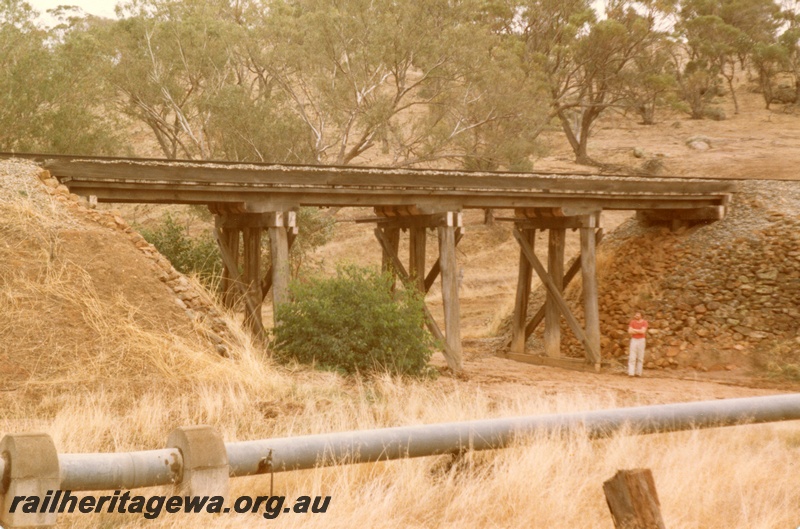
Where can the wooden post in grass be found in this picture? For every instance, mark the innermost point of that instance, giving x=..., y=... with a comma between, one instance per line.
x=450, y=305
x=633, y=501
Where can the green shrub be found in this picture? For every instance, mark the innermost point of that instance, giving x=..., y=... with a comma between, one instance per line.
x=187, y=254
x=353, y=323
x=315, y=229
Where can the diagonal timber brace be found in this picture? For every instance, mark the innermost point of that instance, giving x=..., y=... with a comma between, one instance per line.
x=592, y=354
x=252, y=310
x=568, y=277
x=386, y=244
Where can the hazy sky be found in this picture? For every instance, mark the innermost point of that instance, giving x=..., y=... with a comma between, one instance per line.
x=103, y=8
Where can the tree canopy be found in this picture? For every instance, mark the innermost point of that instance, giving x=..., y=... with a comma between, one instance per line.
x=466, y=83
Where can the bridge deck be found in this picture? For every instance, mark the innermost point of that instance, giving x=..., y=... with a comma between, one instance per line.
x=239, y=193
x=275, y=186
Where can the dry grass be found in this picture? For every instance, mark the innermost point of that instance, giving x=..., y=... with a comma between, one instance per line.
x=729, y=478
x=130, y=379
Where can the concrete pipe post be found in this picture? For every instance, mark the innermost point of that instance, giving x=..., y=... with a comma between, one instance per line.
x=30, y=469
x=205, y=461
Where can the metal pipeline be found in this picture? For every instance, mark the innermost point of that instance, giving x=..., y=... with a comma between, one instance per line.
x=296, y=453
x=162, y=467
x=126, y=470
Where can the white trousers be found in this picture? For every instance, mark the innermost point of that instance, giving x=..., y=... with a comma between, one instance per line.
x=636, y=357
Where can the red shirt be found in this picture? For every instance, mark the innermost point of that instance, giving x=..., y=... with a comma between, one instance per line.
x=638, y=325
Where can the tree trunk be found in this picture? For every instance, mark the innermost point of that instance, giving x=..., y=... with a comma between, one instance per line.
x=733, y=94
x=766, y=91
x=796, y=89
x=568, y=132
x=648, y=112
x=580, y=143
x=582, y=157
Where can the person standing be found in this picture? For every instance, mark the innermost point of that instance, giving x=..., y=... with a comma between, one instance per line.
x=637, y=329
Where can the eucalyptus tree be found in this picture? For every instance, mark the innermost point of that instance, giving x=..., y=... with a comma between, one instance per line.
x=585, y=60
x=756, y=19
x=380, y=81
x=166, y=60
x=50, y=100
x=23, y=50
x=720, y=44
x=770, y=59
x=650, y=81
x=720, y=37
x=785, y=50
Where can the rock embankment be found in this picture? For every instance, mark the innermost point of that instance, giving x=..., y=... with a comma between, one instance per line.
x=194, y=302
x=718, y=296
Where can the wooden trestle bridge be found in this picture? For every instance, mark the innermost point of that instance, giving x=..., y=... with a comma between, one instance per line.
x=247, y=199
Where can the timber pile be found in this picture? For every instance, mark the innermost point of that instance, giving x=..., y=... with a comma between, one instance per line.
x=718, y=296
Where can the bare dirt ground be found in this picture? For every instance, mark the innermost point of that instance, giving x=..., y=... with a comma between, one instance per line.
x=755, y=144
x=503, y=377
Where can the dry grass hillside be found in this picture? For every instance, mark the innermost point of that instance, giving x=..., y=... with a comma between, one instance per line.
x=104, y=347
x=86, y=301
x=754, y=144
